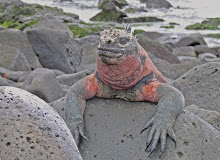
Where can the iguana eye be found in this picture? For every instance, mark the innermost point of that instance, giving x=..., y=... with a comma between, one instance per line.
x=123, y=40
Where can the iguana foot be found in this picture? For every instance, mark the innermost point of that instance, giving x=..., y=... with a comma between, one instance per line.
x=160, y=127
x=77, y=130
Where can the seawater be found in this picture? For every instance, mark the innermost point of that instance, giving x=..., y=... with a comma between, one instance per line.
x=184, y=12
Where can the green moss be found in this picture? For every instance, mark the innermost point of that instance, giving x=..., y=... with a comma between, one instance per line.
x=84, y=23
x=167, y=27
x=217, y=35
x=173, y=23
x=138, y=31
x=210, y=24
x=17, y=25
x=201, y=26
x=79, y=32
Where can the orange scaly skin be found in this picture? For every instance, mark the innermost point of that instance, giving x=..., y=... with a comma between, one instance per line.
x=125, y=71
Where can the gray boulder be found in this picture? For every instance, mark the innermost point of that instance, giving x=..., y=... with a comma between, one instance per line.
x=184, y=51
x=157, y=4
x=187, y=64
x=55, y=47
x=19, y=40
x=4, y=82
x=31, y=129
x=142, y=19
x=212, y=117
x=113, y=131
x=109, y=12
x=207, y=56
x=199, y=49
x=119, y=3
x=89, y=52
x=70, y=79
x=156, y=48
x=13, y=59
x=167, y=69
x=43, y=83
x=200, y=86
x=190, y=40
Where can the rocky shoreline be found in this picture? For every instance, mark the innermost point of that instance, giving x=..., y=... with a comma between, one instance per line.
x=45, y=51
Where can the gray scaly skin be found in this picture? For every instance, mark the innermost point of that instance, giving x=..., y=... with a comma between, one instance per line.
x=125, y=71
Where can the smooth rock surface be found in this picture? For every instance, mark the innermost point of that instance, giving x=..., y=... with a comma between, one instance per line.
x=55, y=47
x=191, y=40
x=157, y=4
x=70, y=79
x=19, y=40
x=43, y=83
x=184, y=51
x=167, y=69
x=156, y=48
x=212, y=117
x=201, y=86
x=13, y=59
x=113, y=131
x=31, y=129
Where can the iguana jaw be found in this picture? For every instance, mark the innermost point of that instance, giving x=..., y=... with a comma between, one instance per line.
x=110, y=52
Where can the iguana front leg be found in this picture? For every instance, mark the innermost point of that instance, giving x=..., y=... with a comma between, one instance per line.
x=171, y=103
x=75, y=105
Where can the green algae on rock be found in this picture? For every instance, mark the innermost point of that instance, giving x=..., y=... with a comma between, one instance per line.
x=109, y=13
x=209, y=24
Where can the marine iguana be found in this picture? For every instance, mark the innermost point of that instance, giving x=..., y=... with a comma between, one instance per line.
x=125, y=71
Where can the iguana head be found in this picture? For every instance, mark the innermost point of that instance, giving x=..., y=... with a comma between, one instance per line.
x=116, y=44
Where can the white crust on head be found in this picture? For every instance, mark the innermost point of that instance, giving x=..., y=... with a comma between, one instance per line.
x=112, y=34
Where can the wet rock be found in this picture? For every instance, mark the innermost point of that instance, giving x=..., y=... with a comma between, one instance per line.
x=19, y=40
x=13, y=59
x=184, y=51
x=156, y=48
x=43, y=83
x=157, y=4
x=200, y=86
x=70, y=79
x=31, y=129
x=113, y=131
x=110, y=12
x=142, y=19
x=191, y=40
x=118, y=3
x=212, y=117
x=55, y=47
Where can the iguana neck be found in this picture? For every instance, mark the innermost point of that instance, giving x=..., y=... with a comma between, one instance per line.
x=123, y=75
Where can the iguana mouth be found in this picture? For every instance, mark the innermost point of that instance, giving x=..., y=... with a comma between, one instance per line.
x=110, y=52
